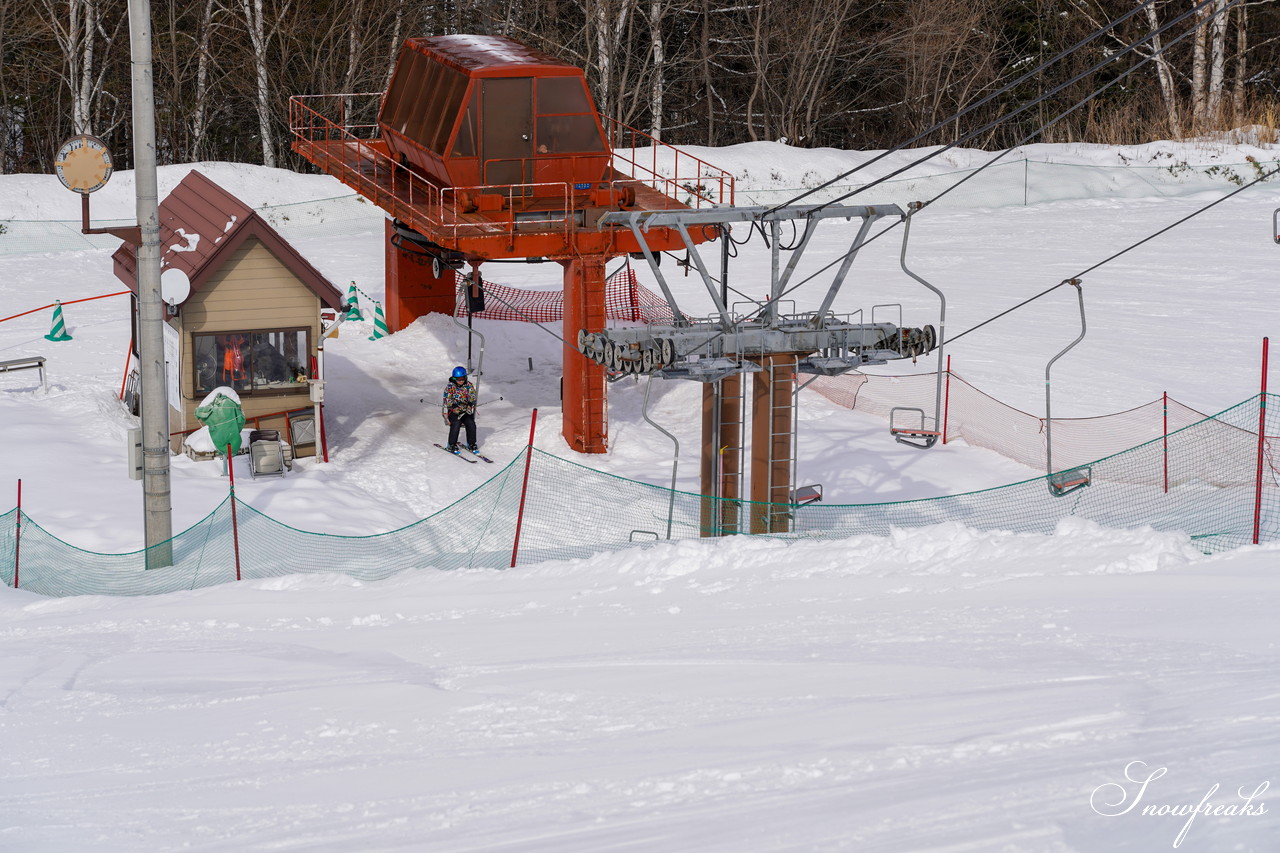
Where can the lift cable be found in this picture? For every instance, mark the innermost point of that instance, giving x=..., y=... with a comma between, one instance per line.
x=1264, y=176
x=1055, y=90
x=984, y=101
x=1095, y=93
x=1100, y=31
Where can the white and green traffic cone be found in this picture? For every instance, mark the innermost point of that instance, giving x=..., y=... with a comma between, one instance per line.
x=59, y=330
x=353, y=301
x=379, y=322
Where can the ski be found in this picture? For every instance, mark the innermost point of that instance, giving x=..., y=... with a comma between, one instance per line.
x=457, y=453
x=481, y=455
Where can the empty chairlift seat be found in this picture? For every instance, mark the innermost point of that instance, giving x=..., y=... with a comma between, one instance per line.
x=266, y=453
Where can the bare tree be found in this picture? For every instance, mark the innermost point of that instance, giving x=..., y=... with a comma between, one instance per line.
x=260, y=38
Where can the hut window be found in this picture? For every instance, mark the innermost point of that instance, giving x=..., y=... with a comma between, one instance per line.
x=566, y=122
x=252, y=362
x=465, y=144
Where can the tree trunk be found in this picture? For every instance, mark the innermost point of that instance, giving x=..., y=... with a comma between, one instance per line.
x=1242, y=51
x=1199, y=71
x=1168, y=89
x=253, y=19
x=204, y=60
x=1217, y=61
x=658, y=83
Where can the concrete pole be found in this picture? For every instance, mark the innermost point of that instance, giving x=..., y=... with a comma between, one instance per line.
x=157, y=513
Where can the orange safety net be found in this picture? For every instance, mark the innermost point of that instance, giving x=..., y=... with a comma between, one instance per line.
x=625, y=299
x=980, y=420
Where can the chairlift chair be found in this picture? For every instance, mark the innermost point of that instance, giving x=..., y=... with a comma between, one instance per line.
x=805, y=495
x=266, y=453
x=915, y=436
x=1065, y=482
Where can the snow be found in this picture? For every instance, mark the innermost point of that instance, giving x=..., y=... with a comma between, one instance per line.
x=938, y=689
x=220, y=391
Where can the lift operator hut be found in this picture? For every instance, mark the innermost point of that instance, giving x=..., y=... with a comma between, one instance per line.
x=251, y=319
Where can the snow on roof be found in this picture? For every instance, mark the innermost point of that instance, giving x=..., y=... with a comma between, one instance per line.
x=198, y=208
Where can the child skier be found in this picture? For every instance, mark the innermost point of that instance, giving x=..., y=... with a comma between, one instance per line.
x=460, y=409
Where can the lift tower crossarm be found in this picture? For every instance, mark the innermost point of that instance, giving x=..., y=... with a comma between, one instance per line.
x=755, y=213
x=633, y=222
x=820, y=315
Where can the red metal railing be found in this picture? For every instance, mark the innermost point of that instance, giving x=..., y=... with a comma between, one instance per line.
x=354, y=154
x=362, y=164
x=669, y=170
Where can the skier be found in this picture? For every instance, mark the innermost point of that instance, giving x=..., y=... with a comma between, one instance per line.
x=460, y=409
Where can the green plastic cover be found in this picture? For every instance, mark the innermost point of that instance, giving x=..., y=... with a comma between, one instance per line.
x=225, y=419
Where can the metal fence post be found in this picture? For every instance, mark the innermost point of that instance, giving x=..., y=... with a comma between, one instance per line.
x=235, y=528
x=1166, y=442
x=515, y=545
x=1262, y=434
x=17, y=535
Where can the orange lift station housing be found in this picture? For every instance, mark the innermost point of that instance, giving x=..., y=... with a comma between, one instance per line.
x=484, y=148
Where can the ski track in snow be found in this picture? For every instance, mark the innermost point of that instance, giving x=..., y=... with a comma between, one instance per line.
x=935, y=690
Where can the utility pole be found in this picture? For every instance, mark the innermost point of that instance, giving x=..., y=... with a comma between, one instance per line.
x=157, y=509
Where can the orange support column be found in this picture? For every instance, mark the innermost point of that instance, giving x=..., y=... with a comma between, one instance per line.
x=583, y=394
x=412, y=288
x=772, y=443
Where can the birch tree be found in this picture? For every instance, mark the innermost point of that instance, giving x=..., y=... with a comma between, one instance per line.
x=259, y=38
x=85, y=43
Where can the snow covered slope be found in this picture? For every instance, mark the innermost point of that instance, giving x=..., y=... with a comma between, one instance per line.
x=937, y=690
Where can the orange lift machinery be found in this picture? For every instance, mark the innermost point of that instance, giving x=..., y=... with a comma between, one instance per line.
x=484, y=149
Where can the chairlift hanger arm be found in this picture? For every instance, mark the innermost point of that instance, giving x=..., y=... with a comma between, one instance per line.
x=1048, y=413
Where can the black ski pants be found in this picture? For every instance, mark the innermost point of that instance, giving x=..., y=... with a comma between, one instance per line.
x=456, y=423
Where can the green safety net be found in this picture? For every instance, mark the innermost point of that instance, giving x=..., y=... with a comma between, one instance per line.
x=572, y=511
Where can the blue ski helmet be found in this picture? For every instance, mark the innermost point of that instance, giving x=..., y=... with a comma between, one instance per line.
x=459, y=373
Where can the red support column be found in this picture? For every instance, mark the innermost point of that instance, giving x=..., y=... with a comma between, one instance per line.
x=584, y=398
x=413, y=290
x=1262, y=435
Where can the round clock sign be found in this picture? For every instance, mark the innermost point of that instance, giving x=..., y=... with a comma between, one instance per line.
x=83, y=164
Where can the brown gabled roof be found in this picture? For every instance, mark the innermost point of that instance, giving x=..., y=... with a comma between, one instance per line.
x=201, y=225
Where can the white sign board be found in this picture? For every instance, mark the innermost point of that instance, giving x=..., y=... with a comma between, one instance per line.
x=172, y=365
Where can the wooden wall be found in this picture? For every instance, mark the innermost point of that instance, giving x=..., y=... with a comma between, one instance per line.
x=253, y=291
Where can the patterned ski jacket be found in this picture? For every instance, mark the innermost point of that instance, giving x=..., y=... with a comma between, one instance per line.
x=459, y=398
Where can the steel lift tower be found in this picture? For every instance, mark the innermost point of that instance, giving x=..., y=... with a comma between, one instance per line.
x=483, y=149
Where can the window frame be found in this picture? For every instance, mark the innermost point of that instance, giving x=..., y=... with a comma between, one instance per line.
x=280, y=391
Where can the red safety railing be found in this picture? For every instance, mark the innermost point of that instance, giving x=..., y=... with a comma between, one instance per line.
x=669, y=170
x=354, y=154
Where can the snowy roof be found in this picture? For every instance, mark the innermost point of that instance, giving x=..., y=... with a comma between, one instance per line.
x=492, y=56
x=201, y=225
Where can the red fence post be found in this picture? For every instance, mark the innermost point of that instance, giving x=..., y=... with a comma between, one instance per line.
x=946, y=405
x=1166, y=442
x=524, y=489
x=1262, y=433
x=17, y=536
x=128, y=357
x=235, y=528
